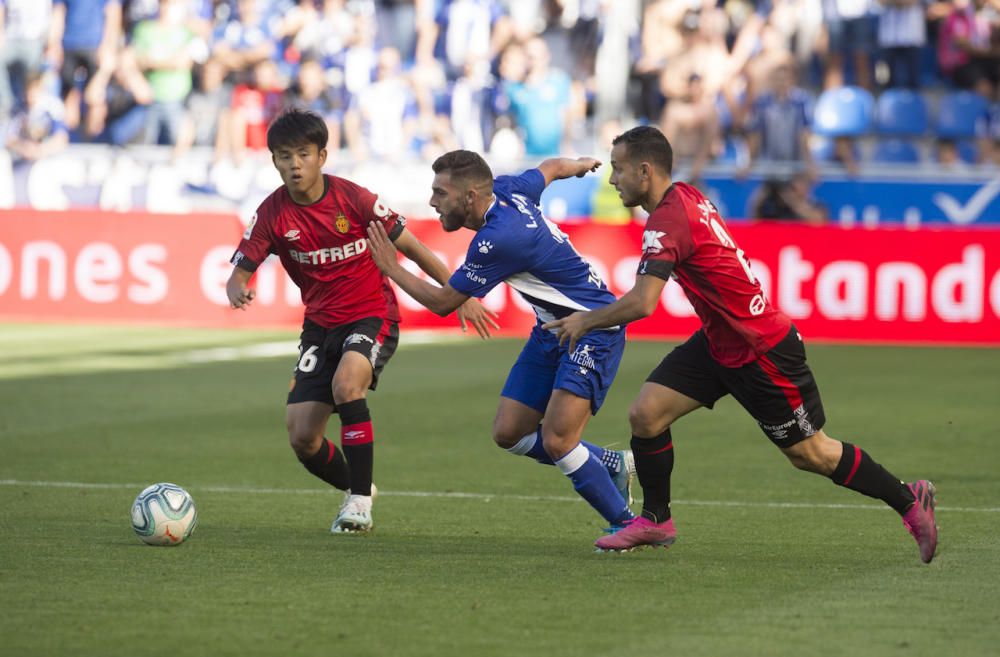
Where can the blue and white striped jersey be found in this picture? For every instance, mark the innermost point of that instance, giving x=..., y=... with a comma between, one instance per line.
x=520, y=247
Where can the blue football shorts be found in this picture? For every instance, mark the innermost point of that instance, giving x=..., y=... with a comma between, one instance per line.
x=544, y=366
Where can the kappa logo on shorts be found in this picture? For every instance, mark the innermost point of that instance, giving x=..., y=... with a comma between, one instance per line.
x=805, y=426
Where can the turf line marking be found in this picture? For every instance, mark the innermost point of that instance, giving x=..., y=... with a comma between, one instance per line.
x=471, y=496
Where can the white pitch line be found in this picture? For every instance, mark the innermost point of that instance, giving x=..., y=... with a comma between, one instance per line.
x=473, y=496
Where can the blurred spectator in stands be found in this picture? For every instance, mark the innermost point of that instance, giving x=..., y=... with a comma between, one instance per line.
x=255, y=103
x=163, y=50
x=24, y=28
x=778, y=126
x=472, y=116
x=360, y=59
x=703, y=52
x=321, y=33
x=396, y=22
x=433, y=97
x=788, y=200
x=198, y=15
x=619, y=29
x=770, y=54
x=37, y=129
x=989, y=138
x=542, y=102
x=691, y=125
x=850, y=35
x=117, y=99
x=382, y=119
x=464, y=29
x=965, y=49
x=244, y=40
x=83, y=39
x=846, y=154
x=947, y=155
x=208, y=114
x=902, y=34
x=312, y=92
x=660, y=42
x=506, y=146
x=605, y=203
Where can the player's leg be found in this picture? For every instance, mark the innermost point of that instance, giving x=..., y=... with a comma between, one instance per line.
x=367, y=346
x=781, y=393
x=681, y=383
x=524, y=398
x=565, y=418
x=310, y=403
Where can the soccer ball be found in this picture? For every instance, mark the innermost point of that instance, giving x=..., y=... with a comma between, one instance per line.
x=164, y=514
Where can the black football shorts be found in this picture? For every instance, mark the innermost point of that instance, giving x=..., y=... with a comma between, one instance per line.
x=320, y=351
x=777, y=389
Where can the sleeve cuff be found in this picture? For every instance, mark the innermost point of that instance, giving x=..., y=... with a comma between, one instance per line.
x=659, y=268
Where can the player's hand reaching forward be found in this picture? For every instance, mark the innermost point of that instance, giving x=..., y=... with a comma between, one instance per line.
x=381, y=247
x=572, y=328
x=590, y=165
x=475, y=313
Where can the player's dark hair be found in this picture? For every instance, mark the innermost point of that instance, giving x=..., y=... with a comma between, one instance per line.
x=466, y=166
x=297, y=127
x=645, y=143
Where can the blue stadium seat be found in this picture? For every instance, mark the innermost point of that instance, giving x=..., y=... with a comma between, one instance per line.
x=735, y=151
x=961, y=115
x=968, y=151
x=843, y=112
x=901, y=112
x=896, y=151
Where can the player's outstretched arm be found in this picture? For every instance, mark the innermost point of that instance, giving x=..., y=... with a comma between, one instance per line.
x=557, y=168
x=439, y=300
x=637, y=303
x=472, y=311
x=240, y=296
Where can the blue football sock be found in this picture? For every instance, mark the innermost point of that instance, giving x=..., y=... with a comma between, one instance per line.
x=531, y=446
x=591, y=480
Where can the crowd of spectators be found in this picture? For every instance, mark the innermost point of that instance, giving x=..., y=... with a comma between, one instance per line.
x=407, y=79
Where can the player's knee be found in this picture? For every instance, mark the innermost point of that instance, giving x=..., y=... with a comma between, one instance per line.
x=304, y=443
x=505, y=437
x=646, y=420
x=347, y=391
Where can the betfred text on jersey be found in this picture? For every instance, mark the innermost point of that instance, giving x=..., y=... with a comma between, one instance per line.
x=332, y=254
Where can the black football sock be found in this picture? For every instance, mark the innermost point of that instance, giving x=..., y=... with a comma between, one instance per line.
x=857, y=471
x=329, y=465
x=654, y=462
x=357, y=440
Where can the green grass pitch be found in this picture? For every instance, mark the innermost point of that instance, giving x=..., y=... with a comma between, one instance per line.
x=476, y=552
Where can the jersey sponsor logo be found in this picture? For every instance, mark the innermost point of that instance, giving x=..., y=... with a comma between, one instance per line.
x=476, y=278
x=292, y=235
x=582, y=356
x=249, y=230
x=777, y=431
x=332, y=254
x=484, y=246
x=342, y=224
x=651, y=241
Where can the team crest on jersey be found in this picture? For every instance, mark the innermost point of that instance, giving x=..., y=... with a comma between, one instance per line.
x=342, y=224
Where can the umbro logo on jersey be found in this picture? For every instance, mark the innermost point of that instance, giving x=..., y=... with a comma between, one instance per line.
x=292, y=235
x=484, y=246
x=651, y=241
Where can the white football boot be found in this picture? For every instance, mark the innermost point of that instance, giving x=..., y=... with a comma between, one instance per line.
x=355, y=514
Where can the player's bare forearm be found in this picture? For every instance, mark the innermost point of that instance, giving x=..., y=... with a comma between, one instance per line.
x=240, y=296
x=557, y=168
x=418, y=252
x=637, y=303
x=439, y=300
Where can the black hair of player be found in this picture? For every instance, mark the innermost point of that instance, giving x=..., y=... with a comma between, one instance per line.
x=297, y=127
x=465, y=166
x=645, y=143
